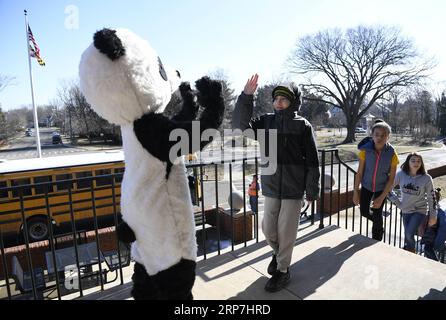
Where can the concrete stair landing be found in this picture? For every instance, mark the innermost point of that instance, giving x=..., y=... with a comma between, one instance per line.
x=331, y=263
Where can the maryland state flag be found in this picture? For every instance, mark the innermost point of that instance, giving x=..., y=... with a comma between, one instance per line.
x=34, y=50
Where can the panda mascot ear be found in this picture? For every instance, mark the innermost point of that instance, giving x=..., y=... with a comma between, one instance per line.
x=108, y=43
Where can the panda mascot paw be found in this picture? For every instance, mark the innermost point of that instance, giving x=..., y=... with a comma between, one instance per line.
x=125, y=233
x=190, y=107
x=125, y=82
x=188, y=95
x=207, y=89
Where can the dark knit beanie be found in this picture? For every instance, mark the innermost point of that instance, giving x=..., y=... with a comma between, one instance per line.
x=284, y=92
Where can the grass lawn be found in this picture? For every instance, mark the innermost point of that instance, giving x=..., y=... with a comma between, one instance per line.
x=440, y=182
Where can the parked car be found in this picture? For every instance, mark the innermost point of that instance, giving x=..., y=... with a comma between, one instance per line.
x=57, y=138
x=28, y=132
x=360, y=130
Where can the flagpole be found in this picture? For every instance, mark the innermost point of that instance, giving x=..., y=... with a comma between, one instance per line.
x=36, y=122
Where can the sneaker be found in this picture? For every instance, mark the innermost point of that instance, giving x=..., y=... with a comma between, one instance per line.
x=272, y=267
x=278, y=281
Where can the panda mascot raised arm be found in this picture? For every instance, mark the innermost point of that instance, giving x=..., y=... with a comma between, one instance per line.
x=126, y=83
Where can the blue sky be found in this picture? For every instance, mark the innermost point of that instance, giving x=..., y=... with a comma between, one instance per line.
x=196, y=37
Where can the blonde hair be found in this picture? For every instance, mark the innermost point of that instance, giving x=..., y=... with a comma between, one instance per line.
x=382, y=125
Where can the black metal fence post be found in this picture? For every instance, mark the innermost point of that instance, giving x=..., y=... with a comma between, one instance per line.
x=244, y=201
x=231, y=206
x=115, y=218
x=74, y=232
x=217, y=211
x=5, y=265
x=256, y=216
x=51, y=238
x=96, y=232
x=203, y=216
x=28, y=252
x=322, y=201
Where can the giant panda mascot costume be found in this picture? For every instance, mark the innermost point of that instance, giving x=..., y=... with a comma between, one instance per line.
x=126, y=83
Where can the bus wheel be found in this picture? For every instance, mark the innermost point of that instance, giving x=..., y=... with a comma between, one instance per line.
x=37, y=229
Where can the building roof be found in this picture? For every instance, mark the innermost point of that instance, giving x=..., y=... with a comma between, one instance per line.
x=10, y=166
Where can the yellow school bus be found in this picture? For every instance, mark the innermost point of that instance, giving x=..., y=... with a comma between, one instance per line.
x=193, y=176
x=58, y=188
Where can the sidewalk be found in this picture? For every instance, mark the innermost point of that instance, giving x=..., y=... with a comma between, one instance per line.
x=327, y=264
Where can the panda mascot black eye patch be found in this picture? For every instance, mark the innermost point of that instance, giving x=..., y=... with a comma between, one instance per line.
x=116, y=78
x=162, y=71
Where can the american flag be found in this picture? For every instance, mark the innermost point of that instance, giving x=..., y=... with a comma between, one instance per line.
x=34, y=50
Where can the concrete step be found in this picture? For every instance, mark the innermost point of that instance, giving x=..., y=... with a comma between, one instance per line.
x=331, y=263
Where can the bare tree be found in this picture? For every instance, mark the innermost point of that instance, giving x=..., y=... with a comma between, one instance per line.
x=80, y=118
x=3, y=127
x=83, y=110
x=264, y=100
x=57, y=114
x=394, y=105
x=410, y=116
x=313, y=109
x=357, y=67
x=77, y=109
x=16, y=120
x=5, y=81
x=228, y=96
x=69, y=106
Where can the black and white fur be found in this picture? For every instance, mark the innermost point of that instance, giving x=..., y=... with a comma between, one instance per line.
x=125, y=82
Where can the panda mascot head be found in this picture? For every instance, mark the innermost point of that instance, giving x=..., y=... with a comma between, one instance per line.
x=123, y=78
x=126, y=82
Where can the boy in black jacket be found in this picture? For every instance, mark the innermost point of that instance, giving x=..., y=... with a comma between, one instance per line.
x=297, y=172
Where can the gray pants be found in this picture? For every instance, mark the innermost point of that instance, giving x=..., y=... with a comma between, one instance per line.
x=279, y=225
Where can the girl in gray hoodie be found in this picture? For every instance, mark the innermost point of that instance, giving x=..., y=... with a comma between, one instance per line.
x=417, y=197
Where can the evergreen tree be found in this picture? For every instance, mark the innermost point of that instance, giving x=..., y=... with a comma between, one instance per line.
x=3, y=126
x=263, y=100
x=313, y=109
x=426, y=106
x=228, y=95
x=441, y=121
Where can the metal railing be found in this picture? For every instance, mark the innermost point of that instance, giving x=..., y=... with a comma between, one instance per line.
x=334, y=207
x=341, y=204
x=31, y=251
x=212, y=218
x=216, y=204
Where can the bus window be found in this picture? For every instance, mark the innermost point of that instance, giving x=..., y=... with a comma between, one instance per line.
x=3, y=193
x=103, y=180
x=41, y=189
x=63, y=185
x=119, y=172
x=26, y=191
x=85, y=183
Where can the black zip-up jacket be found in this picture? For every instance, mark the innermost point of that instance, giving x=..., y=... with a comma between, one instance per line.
x=297, y=158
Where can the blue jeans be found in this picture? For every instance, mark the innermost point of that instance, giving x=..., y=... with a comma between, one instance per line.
x=411, y=222
x=253, y=203
x=432, y=250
